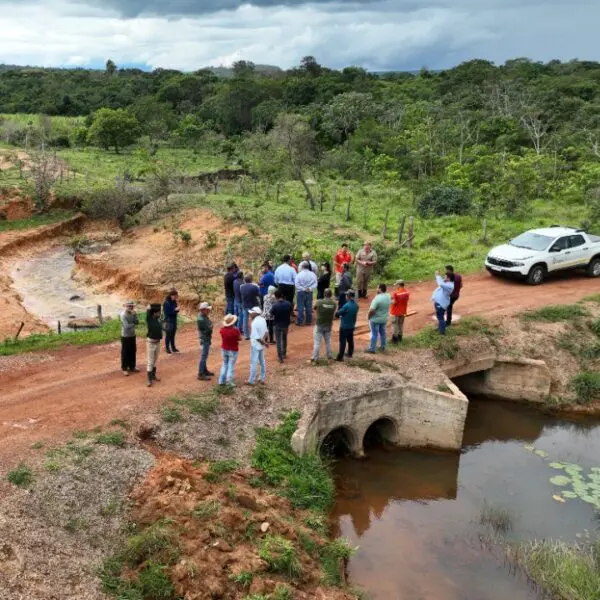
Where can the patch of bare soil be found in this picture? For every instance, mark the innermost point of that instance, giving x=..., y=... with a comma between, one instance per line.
x=14, y=205
x=55, y=533
x=230, y=536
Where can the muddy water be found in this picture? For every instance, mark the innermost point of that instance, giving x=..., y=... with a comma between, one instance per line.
x=45, y=284
x=416, y=515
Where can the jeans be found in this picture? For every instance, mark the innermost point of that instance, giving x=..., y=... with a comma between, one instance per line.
x=449, y=311
x=239, y=313
x=270, y=329
x=170, y=336
x=247, y=323
x=228, y=366
x=341, y=299
x=202, y=370
x=322, y=331
x=256, y=357
x=346, y=337
x=128, y=353
x=229, y=306
x=377, y=329
x=304, y=301
x=440, y=313
x=281, y=334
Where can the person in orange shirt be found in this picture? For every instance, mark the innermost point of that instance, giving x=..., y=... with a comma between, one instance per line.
x=342, y=257
x=398, y=310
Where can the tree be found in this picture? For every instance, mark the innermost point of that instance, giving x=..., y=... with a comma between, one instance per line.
x=111, y=67
x=155, y=118
x=310, y=66
x=345, y=112
x=114, y=128
x=43, y=174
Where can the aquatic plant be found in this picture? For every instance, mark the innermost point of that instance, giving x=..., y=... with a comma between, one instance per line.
x=577, y=483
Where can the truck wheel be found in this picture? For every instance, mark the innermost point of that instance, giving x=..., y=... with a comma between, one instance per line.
x=593, y=268
x=536, y=275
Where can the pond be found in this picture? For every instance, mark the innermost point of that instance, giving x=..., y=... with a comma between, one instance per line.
x=415, y=516
x=45, y=284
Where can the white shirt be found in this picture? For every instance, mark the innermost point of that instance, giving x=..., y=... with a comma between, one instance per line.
x=306, y=280
x=258, y=331
x=285, y=274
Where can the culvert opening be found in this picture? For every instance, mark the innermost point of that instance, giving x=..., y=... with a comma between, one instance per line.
x=382, y=432
x=337, y=443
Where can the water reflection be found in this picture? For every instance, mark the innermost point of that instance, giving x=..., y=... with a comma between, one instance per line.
x=415, y=515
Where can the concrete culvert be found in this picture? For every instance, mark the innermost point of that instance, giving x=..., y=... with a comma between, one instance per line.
x=381, y=432
x=339, y=442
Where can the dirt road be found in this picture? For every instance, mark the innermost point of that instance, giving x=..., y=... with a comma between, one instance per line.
x=81, y=387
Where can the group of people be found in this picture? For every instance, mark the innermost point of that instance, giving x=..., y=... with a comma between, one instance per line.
x=263, y=312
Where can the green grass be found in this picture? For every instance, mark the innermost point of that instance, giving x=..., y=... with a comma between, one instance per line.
x=305, y=480
x=561, y=571
x=556, y=313
x=243, y=579
x=203, y=404
x=49, y=218
x=206, y=509
x=111, y=438
x=497, y=518
x=171, y=414
x=281, y=555
x=221, y=467
x=156, y=542
x=586, y=386
x=21, y=476
x=332, y=557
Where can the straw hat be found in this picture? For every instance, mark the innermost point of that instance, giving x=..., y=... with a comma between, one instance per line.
x=229, y=320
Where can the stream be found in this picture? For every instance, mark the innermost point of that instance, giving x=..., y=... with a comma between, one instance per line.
x=415, y=516
x=44, y=283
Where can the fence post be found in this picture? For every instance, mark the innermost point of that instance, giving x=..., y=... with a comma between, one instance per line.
x=411, y=232
x=348, y=208
x=484, y=236
x=401, y=230
x=385, y=224
x=59, y=328
x=99, y=311
x=365, y=206
x=334, y=200
x=321, y=199
x=19, y=332
x=277, y=192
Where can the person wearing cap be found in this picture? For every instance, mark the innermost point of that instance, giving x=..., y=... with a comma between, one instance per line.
x=347, y=314
x=398, y=310
x=366, y=259
x=306, y=284
x=258, y=343
x=170, y=310
x=230, y=347
x=153, y=338
x=129, y=320
x=205, y=331
x=268, y=302
x=378, y=316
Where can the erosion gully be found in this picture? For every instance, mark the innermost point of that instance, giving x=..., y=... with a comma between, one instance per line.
x=415, y=516
x=46, y=287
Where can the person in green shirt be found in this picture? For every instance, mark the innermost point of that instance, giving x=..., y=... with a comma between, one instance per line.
x=325, y=308
x=378, y=316
x=205, y=331
x=347, y=314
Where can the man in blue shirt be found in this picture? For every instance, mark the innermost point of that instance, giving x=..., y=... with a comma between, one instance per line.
x=347, y=314
x=285, y=279
x=441, y=298
x=249, y=293
x=266, y=279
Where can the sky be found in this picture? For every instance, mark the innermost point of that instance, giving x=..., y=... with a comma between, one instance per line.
x=375, y=34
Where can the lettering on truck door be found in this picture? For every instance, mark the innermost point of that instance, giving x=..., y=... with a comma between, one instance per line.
x=579, y=250
x=559, y=251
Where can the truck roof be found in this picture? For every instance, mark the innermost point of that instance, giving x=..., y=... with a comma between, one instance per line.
x=556, y=231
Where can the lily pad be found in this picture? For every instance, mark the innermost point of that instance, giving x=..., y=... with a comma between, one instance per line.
x=556, y=465
x=569, y=494
x=541, y=453
x=529, y=447
x=560, y=480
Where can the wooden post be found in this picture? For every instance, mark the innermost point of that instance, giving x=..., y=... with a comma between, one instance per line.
x=401, y=230
x=277, y=192
x=334, y=200
x=99, y=311
x=385, y=224
x=216, y=184
x=321, y=199
x=365, y=205
x=411, y=232
x=348, y=208
x=19, y=332
x=484, y=235
x=59, y=328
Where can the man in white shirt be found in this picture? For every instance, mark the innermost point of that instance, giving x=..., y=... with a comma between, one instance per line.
x=313, y=265
x=306, y=283
x=285, y=279
x=258, y=342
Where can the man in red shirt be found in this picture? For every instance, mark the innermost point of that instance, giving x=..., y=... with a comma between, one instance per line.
x=398, y=310
x=342, y=257
x=458, y=283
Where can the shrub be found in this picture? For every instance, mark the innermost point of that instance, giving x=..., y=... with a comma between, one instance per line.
x=155, y=584
x=280, y=555
x=111, y=438
x=21, y=476
x=171, y=414
x=114, y=202
x=444, y=200
x=156, y=542
x=587, y=386
x=595, y=326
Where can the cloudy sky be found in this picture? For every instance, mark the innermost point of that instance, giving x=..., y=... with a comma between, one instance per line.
x=375, y=34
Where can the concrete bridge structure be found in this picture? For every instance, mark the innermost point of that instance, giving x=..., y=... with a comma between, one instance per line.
x=410, y=415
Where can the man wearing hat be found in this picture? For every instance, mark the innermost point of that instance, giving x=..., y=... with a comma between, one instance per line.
x=205, y=331
x=398, y=310
x=129, y=320
x=230, y=347
x=153, y=338
x=258, y=343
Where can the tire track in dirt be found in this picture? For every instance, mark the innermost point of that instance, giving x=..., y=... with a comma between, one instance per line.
x=81, y=387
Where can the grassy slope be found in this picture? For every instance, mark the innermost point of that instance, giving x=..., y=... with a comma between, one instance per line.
x=36, y=221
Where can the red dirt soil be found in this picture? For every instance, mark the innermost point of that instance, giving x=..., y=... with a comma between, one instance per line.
x=82, y=387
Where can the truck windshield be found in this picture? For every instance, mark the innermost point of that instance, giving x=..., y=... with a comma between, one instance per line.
x=531, y=241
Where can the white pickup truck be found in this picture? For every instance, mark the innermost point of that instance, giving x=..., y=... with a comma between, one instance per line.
x=535, y=253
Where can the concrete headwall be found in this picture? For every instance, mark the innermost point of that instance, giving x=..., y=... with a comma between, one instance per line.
x=419, y=418
x=510, y=379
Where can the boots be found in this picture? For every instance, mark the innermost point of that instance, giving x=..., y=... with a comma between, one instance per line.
x=396, y=339
x=149, y=384
x=154, y=375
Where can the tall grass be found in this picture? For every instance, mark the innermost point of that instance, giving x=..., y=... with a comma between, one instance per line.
x=556, y=313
